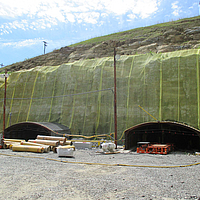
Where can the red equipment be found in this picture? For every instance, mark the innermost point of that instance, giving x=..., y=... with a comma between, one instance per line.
x=146, y=147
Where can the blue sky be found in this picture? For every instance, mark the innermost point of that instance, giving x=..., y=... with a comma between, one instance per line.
x=25, y=24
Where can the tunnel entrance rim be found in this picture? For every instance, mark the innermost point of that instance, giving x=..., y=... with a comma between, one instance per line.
x=148, y=131
x=30, y=130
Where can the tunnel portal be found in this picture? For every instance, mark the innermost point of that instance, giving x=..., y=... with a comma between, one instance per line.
x=30, y=130
x=183, y=137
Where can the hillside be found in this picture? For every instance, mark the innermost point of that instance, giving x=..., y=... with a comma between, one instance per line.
x=165, y=37
x=79, y=95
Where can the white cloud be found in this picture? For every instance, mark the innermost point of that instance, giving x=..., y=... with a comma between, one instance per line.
x=131, y=16
x=143, y=8
x=24, y=43
x=92, y=17
x=47, y=13
x=104, y=15
x=176, y=8
x=70, y=17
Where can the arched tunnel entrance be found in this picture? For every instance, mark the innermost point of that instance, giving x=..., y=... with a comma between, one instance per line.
x=30, y=130
x=182, y=136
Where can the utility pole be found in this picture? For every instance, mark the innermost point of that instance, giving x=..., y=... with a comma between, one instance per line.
x=4, y=105
x=45, y=44
x=115, y=98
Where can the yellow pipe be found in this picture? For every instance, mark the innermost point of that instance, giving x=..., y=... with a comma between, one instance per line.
x=88, y=137
x=53, y=95
x=8, y=121
x=8, y=145
x=44, y=137
x=128, y=92
x=86, y=140
x=147, y=113
x=36, y=149
x=13, y=140
x=47, y=142
x=46, y=147
x=104, y=164
x=93, y=136
x=32, y=96
x=93, y=141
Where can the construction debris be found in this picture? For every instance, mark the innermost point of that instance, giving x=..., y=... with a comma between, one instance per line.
x=95, y=143
x=108, y=147
x=83, y=145
x=59, y=145
x=66, y=151
x=44, y=144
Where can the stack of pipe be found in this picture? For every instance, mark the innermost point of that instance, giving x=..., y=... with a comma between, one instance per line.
x=22, y=145
x=47, y=148
x=62, y=140
x=52, y=143
x=41, y=144
x=51, y=139
x=8, y=143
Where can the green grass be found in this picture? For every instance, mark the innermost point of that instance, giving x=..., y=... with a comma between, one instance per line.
x=138, y=32
x=141, y=33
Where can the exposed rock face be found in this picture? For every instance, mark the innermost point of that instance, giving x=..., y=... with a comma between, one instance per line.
x=183, y=34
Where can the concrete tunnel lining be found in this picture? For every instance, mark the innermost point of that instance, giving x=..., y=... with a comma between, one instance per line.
x=184, y=137
x=30, y=130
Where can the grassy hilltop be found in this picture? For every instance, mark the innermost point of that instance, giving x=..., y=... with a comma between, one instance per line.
x=159, y=38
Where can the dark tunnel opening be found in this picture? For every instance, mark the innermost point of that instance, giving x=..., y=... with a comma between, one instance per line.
x=30, y=130
x=182, y=136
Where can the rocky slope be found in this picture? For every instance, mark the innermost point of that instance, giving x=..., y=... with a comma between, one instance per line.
x=166, y=37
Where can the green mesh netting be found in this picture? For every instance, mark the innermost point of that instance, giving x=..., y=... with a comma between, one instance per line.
x=78, y=94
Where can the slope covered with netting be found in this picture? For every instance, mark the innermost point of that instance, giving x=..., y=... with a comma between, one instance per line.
x=80, y=94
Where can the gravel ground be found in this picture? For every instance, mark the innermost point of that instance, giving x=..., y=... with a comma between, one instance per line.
x=33, y=176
